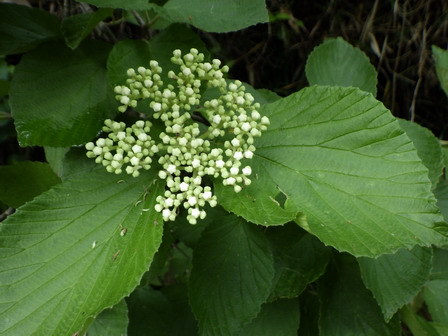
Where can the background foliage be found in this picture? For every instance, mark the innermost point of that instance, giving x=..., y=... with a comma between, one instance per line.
x=342, y=231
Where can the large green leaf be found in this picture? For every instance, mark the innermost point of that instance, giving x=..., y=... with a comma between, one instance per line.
x=217, y=16
x=111, y=322
x=161, y=313
x=75, y=250
x=77, y=27
x=22, y=181
x=428, y=148
x=395, y=279
x=336, y=62
x=59, y=97
x=441, y=60
x=281, y=317
x=299, y=259
x=23, y=28
x=347, y=307
x=342, y=159
x=231, y=277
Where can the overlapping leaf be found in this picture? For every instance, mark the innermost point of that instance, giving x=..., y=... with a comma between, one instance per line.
x=22, y=28
x=231, y=277
x=60, y=97
x=75, y=250
x=428, y=148
x=395, y=279
x=336, y=62
x=22, y=181
x=341, y=158
x=441, y=60
x=281, y=317
x=347, y=307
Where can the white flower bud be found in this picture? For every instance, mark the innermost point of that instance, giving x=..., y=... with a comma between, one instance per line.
x=219, y=163
x=248, y=154
x=183, y=186
x=235, y=142
x=238, y=155
x=195, y=212
x=207, y=195
x=166, y=213
x=171, y=169
x=162, y=174
x=124, y=100
x=265, y=120
x=169, y=202
x=247, y=170
x=216, y=119
x=97, y=151
x=240, y=100
x=135, y=161
x=246, y=127
x=234, y=170
x=192, y=200
x=136, y=149
x=157, y=107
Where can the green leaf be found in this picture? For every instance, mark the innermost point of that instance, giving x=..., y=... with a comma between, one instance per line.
x=395, y=279
x=55, y=157
x=231, y=277
x=124, y=55
x=59, y=97
x=77, y=27
x=22, y=181
x=111, y=322
x=23, y=28
x=440, y=260
x=347, y=307
x=336, y=62
x=418, y=325
x=441, y=60
x=281, y=317
x=176, y=36
x=436, y=298
x=161, y=313
x=4, y=87
x=299, y=259
x=441, y=193
x=134, y=53
x=341, y=158
x=66, y=161
x=65, y=256
x=228, y=15
x=428, y=148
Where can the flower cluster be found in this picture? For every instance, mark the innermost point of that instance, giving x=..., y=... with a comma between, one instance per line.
x=188, y=151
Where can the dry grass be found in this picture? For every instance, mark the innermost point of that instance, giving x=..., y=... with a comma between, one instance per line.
x=396, y=35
